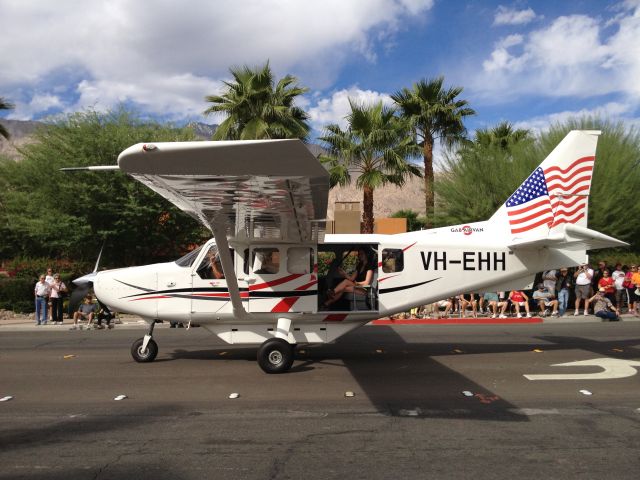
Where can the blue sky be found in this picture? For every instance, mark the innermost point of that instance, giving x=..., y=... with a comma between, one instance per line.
x=531, y=63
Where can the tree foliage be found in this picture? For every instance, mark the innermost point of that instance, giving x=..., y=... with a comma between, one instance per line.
x=375, y=147
x=436, y=114
x=5, y=105
x=479, y=177
x=414, y=221
x=259, y=108
x=48, y=213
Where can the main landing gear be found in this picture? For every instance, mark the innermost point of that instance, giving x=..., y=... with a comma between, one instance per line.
x=145, y=349
x=275, y=355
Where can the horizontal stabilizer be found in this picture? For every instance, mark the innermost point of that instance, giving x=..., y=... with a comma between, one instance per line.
x=570, y=237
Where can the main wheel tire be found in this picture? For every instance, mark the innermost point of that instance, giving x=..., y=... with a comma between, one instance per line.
x=149, y=355
x=275, y=355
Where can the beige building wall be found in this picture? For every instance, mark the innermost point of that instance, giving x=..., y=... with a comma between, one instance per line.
x=346, y=217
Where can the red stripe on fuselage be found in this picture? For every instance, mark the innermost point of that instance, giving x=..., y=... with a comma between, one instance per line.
x=273, y=283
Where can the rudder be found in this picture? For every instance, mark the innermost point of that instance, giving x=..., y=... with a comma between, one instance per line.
x=556, y=193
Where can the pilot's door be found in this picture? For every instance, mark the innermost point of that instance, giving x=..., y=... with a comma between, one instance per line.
x=209, y=291
x=282, y=279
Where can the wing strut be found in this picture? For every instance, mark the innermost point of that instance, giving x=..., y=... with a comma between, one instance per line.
x=220, y=234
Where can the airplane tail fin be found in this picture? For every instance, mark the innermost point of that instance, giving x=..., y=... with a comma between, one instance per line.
x=551, y=205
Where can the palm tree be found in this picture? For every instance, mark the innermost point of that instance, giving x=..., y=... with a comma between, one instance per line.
x=374, y=147
x=435, y=114
x=502, y=135
x=5, y=105
x=256, y=109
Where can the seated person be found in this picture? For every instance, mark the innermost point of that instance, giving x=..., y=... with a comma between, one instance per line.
x=268, y=266
x=519, y=299
x=494, y=303
x=545, y=299
x=104, y=314
x=361, y=277
x=211, y=266
x=86, y=311
x=434, y=308
x=467, y=299
x=603, y=307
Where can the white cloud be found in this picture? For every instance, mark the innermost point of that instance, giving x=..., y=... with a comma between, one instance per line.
x=571, y=56
x=167, y=53
x=509, y=16
x=39, y=103
x=609, y=111
x=336, y=108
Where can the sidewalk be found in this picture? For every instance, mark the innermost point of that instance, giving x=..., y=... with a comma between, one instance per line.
x=20, y=322
x=16, y=322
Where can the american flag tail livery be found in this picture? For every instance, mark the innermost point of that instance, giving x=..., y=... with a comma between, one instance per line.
x=556, y=193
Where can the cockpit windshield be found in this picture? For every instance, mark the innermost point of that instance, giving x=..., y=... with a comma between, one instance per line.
x=189, y=258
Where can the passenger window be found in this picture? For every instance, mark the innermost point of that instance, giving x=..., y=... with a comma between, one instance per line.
x=266, y=261
x=300, y=260
x=392, y=260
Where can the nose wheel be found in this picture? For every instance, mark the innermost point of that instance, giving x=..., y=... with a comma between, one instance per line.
x=141, y=354
x=145, y=349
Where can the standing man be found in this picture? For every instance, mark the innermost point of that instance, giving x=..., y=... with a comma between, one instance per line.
x=41, y=292
x=583, y=276
x=564, y=283
x=597, y=275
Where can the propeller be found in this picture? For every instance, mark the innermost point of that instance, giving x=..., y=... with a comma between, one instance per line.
x=83, y=285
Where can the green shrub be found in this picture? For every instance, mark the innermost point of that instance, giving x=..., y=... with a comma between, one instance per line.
x=16, y=294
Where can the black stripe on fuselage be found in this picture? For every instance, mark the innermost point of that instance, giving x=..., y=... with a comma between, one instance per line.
x=382, y=291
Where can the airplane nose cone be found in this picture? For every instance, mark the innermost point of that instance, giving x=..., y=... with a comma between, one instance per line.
x=128, y=290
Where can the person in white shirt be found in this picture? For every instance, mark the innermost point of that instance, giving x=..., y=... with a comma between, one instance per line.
x=56, y=297
x=583, y=276
x=618, y=280
x=41, y=292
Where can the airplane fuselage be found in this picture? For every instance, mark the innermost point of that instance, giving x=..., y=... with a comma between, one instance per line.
x=427, y=266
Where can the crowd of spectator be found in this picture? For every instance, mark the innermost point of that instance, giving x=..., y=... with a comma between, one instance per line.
x=50, y=292
x=604, y=291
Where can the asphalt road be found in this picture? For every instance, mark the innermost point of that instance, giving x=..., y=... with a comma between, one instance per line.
x=409, y=417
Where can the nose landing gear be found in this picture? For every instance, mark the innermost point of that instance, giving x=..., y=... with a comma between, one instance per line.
x=145, y=349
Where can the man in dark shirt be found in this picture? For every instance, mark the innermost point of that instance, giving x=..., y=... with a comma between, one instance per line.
x=563, y=287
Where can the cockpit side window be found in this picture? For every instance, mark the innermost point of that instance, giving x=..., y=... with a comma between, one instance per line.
x=211, y=265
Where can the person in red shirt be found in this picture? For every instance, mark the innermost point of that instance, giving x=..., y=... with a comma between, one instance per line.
x=609, y=286
x=519, y=299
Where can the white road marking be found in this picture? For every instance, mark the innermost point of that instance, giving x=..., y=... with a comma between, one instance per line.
x=611, y=368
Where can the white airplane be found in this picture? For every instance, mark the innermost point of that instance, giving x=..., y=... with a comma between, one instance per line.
x=271, y=277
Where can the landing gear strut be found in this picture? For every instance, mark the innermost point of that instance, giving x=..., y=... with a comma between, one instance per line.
x=145, y=349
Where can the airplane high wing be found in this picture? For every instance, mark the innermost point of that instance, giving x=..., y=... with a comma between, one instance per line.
x=267, y=189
